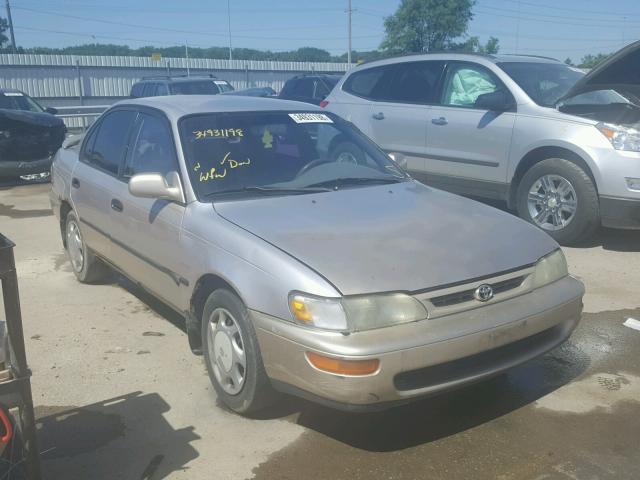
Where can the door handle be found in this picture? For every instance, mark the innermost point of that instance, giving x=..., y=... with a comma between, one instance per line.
x=378, y=116
x=75, y=183
x=439, y=121
x=116, y=205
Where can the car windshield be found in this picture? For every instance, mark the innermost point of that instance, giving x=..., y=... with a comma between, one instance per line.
x=19, y=101
x=202, y=87
x=545, y=83
x=258, y=153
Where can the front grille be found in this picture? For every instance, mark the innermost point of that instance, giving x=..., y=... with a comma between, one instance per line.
x=467, y=295
x=479, y=363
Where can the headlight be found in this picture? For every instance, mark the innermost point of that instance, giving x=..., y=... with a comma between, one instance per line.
x=550, y=268
x=356, y=313
x=621, y=138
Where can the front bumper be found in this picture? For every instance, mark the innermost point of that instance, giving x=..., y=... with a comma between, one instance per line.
x=16, y=169
x=421, y=358
x=620, y=212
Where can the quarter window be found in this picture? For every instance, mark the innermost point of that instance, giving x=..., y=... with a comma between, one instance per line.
x=465, y=83
x=369, y=83
x=152, y=148
x=110, y=143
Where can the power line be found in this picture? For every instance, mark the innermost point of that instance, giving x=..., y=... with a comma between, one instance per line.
x=604, y=22
x=572, y=10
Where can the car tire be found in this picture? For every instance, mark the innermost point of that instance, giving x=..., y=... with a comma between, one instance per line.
x=557, y=186
x=232, y=355
x=85, y=265
x=348, y=152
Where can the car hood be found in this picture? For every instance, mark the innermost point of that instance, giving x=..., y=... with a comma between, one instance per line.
x=400, y=237
x=30, y=118
x=620, y=72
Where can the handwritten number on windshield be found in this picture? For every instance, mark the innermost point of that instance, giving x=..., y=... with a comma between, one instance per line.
x=219, y=133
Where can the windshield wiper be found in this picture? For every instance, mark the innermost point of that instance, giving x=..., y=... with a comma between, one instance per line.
x=346, y=181
x=269, y=190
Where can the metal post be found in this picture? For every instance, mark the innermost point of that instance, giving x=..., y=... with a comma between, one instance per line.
x=229, y=24
x=349, y=51
x=168, y=69
x=246, y=75
x=186, y=53
x=80, y=92
x=10, y=21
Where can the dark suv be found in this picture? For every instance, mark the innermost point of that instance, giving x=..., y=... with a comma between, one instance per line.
x=179, y=85
x=309, y=88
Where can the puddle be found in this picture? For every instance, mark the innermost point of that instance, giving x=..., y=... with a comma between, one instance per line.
x=599, y=391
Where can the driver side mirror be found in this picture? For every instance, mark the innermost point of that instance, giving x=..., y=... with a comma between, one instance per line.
x=156, y=185
x=51, y=110
x=498, y=101
x=399, y=158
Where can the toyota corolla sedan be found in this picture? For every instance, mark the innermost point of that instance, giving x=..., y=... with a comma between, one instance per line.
x=300, y=269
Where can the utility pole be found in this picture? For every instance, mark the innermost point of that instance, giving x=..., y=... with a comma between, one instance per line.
x=229, y=23
x=349, y=10
x=13, y=38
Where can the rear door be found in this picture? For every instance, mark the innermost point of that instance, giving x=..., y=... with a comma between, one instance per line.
x=401, y=106
x=95, y=177
x=146, y=231
x=463, y=141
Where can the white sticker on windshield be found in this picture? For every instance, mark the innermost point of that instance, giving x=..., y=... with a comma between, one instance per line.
x=13, y=94
x=310, y=118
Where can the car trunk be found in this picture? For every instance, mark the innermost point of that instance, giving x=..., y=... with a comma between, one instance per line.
x=27, y=136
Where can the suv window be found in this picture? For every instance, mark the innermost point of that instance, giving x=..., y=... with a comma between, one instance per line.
x=465, y=82
x=136, y=90
x=303, y=88
x=111, y=139
x=201, y=87
x=152, y=148
x=162, y=89
x=416, y=82
x=149, y=90
x=370, y=83
x=323, y=87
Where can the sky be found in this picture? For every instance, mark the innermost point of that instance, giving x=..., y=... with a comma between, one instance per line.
x=555, y=28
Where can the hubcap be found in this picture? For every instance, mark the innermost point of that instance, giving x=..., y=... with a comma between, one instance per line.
x=75, y=246
x=227, y=356
x=552, y=202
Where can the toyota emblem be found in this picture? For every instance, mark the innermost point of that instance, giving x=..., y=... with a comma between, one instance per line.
x=483, y=293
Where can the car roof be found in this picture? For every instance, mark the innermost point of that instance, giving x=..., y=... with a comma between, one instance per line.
x=470, y=56
x=307, y=75
x=177, y=106
x=180, y=79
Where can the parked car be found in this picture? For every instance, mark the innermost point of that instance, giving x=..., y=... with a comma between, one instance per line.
x=179, y=85
x=349, y=284
x=309, y=88
x=561, y=148
x=29, y=135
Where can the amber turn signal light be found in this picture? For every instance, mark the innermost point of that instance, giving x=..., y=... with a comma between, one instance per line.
x=343, y=367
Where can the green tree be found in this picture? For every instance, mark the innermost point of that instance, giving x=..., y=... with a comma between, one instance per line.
x=426, y=25
x=569, y=62
x=590, y=61
x=472, y=44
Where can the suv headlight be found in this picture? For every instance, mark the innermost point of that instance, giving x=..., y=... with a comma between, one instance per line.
x=550, y=268
x=356, y=313
x=622, y=138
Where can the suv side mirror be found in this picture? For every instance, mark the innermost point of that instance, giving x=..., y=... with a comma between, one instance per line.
x=51, y=110
x=155, y=185
x=498, y=101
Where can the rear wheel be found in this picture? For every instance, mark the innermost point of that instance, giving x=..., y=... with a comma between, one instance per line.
x=559, y=197
x=232, y=354
x=86, y=266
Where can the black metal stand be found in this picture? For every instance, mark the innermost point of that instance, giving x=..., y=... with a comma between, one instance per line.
x=16, y=392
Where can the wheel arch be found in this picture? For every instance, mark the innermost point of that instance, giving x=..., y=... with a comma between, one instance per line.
x=539, y=154
x=65, y=208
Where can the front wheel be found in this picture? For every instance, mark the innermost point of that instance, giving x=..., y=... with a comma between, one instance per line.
x=232, y=354
x=559, y=197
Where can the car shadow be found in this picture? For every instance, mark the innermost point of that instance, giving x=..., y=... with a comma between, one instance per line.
x=122, y=437
x=607, y=238
x=440, y=416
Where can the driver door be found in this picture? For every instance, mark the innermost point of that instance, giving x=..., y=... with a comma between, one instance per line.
x=464, y=141
x=147, y=235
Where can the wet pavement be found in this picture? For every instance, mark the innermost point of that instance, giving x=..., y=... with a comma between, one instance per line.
x=119, y=395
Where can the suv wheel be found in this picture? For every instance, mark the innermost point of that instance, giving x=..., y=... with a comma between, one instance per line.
x=559, y=197
x=232, y=354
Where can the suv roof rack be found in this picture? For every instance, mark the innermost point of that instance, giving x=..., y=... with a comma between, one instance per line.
x=169, y=77
x=435, y=52
x=526, y=55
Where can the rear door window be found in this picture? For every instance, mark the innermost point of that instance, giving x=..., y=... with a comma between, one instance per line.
x=137, y=89
x=416, y=82
x=110, y=143
x=303, y=88
x=162, y=89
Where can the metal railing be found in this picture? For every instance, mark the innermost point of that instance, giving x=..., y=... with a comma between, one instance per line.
x=80, y=117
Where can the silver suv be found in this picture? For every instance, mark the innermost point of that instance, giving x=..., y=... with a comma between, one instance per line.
x=560, y=147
